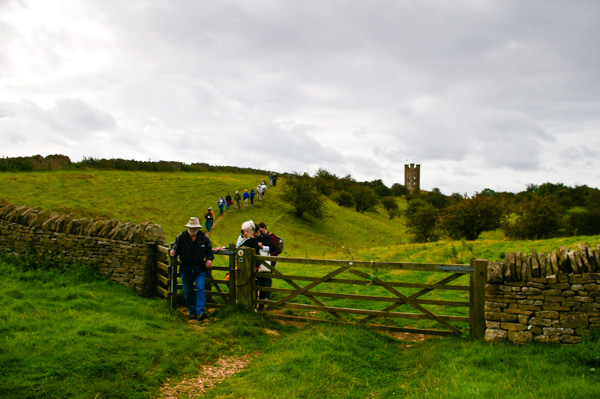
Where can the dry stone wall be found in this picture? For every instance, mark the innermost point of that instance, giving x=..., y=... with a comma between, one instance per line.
x=539, y=297
x=125, y=252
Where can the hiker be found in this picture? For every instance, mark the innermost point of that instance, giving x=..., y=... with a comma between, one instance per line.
x=221, y=204
x=259, y=191
x=246, y=195
x=209, y=218
x=274, y=179
x=252, y=194
x=228, y=202
x=196, y=255
x=263, y=189
x=262, y=227
x=267, y=246
x=237, y=199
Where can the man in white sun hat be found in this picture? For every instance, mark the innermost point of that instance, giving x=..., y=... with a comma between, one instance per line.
x=196, y=255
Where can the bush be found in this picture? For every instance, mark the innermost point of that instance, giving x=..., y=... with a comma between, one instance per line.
x=364, y=198
x=399, y=189
x=389, y=204
x=537, y=218
x=422, y=221
x=585, y=223
x=345, y=199
x=300, y=191
x=471, y=216
x=325, y=182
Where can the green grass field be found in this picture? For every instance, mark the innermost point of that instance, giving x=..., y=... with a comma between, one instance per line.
x=73, y=335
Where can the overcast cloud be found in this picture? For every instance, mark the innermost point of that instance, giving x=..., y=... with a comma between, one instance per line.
x=481, y=93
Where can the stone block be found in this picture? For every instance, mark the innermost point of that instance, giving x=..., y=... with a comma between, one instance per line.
x=592, y=287
x=520, y=337
x=537, y=321
x=499, y=316
x=495, y=336
x=547, y=314
x=570, y=339
x=554, y=292
x=535, y=330
x=547, y=339
x=513, y=326
x=558, y=331
x=574, y=319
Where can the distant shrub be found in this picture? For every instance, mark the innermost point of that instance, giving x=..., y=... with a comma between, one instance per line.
x=537, y=218
x=399, y=189
x=471, y=216
x=585, y=223
x=389, y=204
x=365, y=198
x=422, y=221
x=345, y=199
x=300, y=191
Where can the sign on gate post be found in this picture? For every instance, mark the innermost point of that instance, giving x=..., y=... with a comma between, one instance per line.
x=244, y=258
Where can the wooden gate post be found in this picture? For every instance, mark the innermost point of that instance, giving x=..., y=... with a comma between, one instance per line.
x=477, y=288
x=232, y=275
x=244, y=258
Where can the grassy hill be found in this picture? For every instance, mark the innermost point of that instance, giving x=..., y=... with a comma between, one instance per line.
x=71, y=335
x=170, y=198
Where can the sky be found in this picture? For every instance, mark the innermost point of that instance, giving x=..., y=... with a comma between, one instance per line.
x=496, y=94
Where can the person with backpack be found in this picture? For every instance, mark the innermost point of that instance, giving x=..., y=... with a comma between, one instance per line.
x=252, y=194
x=209, y=218
x=267, y=248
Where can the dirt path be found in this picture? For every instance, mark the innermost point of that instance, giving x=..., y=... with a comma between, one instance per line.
x=208, y=377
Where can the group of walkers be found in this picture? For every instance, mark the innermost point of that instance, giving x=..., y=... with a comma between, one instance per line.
x=195, y=252
x=225, y=204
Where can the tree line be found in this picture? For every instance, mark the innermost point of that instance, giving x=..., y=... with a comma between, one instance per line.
x=51, y=162
x=541, y=211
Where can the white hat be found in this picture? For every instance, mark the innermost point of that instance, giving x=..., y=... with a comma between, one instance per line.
x=193, y=223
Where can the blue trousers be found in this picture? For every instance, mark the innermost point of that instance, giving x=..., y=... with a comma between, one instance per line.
x=208, y=225
x=195, y=303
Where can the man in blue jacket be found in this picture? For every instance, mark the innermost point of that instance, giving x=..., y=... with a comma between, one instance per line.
x=196, y=255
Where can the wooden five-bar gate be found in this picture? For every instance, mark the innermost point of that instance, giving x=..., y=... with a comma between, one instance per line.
x=296, y=294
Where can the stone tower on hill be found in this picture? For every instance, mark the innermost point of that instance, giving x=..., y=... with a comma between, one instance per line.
x=412, y=177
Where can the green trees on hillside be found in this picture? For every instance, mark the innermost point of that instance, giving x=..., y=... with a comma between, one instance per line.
x=300, y=191
x=422, y=221
x=537, y=218
x=472, y=216
x=541, y=211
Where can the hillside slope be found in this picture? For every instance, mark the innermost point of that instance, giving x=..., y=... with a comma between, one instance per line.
x=170, y=198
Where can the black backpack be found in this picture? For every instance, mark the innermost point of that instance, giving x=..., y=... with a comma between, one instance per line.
x=278, y=243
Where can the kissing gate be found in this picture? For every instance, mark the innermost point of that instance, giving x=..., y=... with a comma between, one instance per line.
x=398, y=297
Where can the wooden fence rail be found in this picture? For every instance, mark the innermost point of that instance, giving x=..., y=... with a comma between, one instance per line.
x=293, y=291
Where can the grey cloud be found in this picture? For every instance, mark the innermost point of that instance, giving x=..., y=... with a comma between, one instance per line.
x=487, y=86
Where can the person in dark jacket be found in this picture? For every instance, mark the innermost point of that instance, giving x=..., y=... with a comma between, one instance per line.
x=196, y=255
x=228, y=202
x=267, y=246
